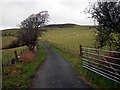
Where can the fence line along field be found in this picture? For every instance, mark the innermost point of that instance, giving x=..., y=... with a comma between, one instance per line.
x=70, y=36
x=9, y=53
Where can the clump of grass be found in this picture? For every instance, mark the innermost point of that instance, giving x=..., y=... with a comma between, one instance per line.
x=28, y=56
x=19, y=75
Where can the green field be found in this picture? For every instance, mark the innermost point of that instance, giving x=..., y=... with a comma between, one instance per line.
x=73, y=36
x=9, y=53
x=10, y=31
x=8, y=36
x=7, y=40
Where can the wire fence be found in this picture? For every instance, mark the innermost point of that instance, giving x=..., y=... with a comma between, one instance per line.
x=71, y=49
x=103, y=62
x=11, y=60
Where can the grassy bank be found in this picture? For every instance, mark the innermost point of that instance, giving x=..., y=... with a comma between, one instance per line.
x=19, y=75
x=93, y=79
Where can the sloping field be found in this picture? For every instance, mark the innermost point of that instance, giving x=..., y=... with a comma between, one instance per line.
x=10, y=31
x=72, y=36
x=7, y=40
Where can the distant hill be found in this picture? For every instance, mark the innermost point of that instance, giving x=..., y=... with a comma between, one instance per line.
x=13, y=31
x=10, y=32
x=61, y=25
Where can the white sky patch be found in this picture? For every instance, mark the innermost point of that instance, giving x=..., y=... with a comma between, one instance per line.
x=61, y=11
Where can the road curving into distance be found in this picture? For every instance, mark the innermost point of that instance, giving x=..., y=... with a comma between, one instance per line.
x=56, y=72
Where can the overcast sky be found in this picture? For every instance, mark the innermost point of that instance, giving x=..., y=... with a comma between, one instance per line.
x=12, y=12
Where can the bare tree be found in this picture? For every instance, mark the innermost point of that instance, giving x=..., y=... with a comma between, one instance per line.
x=107, y=16
x=29, y=28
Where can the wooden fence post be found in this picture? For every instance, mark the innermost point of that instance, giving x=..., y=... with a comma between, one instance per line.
x=2, y=68
x=16, y=57
x=23, y=50
x=81, y=54
x=80, y=50
x=21, y=53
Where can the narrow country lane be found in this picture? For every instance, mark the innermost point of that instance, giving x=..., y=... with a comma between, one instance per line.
x=56, y=72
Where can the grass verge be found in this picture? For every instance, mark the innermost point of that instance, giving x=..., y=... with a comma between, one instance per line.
x=19, y=75
x=93, y=79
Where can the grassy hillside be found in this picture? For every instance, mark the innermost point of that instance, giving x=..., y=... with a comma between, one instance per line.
x=65, y=34
x=8, y=36
x=10, y=31
x=72, y=36
x=7, y=40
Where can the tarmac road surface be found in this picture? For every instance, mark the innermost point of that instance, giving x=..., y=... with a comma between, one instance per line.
x=56, y=72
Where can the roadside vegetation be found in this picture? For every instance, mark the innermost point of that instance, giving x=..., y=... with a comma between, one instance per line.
x=93, y=79
x=21, y=73
x=30, y=28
